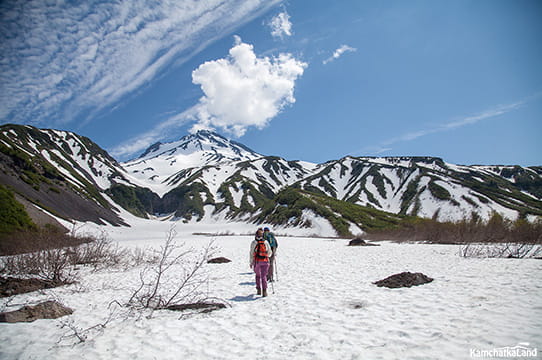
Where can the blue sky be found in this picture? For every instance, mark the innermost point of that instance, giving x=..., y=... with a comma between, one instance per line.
x=461, y=80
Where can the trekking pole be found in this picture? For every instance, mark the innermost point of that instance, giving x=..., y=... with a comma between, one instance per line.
x=275, y=268
x=272, y=274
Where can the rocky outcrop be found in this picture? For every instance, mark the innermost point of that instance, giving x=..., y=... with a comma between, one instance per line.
x=360, y=242
x=202, y=307
x=404, y=279
x=44, y=310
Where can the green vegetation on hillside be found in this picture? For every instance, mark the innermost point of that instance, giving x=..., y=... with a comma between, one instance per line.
x=13, y=216
x=438, y=191
x=291, y=202
x=502, y=192
x=186, y=201
x=261, y=196
x=136, y=200
x=37, y=170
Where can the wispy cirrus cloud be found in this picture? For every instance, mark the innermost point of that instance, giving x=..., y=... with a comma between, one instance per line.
x=338, y=53
x=496, y=111
x=62, y=61
x=163, y=130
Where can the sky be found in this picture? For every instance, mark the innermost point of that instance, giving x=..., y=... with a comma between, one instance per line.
x=460, y=80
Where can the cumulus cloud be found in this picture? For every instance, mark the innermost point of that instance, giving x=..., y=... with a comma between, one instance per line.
x=240, y=91
x=281, y=25
x=338, y=53
x=69, y=60
x=243, y=90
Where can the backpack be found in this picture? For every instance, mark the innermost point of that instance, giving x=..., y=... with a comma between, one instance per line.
x=260, y=252
x=270, y=237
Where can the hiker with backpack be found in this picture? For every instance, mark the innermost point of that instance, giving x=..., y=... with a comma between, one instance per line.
x=260, y=251
x=270, y=237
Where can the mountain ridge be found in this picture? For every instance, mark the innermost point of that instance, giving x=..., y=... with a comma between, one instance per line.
x=205, y=175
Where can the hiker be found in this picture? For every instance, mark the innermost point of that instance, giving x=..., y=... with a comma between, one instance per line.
x=270, y=237
x=260, y=251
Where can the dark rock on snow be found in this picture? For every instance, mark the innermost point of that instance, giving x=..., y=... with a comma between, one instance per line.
x=200, y=306
x=44, y=310
x=404, y=279
x=219, y=260
x=360, y=242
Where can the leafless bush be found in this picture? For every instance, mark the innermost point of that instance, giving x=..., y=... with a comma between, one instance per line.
x=52, y=265
x=473, y=230
x=76, y=335
x=45, y=254
x=138, y=256
x=58, y=265
x=176, y=278
x=505, y=250
x=218, y=233
x=100, y=253
x=42, y=239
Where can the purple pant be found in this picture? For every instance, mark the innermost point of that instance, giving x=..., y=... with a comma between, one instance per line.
x=261, y=268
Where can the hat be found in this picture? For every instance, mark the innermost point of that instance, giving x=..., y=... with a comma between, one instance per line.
x=266, y=229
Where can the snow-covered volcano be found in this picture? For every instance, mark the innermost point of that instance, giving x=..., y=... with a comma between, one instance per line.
x=160, y=161
x=199, y=149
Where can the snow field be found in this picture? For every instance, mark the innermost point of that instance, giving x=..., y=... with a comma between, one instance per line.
x=324, y=306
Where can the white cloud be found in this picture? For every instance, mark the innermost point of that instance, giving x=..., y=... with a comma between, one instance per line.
x=244, y=90
x=338, y=53
x=459, y=122
x=281, y=25
x=163, y=130
x=63, y=61
x=241, y=90
x=456, y=123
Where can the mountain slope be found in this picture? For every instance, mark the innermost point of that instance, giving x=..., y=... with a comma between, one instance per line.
x=162, y=167
x=428, y=187
x=296, y=207
x=206, y=176
x=242, y=185
x=60, y=172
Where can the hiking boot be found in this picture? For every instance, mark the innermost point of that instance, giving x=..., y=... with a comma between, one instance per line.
x=264, y=293
x=258, y=291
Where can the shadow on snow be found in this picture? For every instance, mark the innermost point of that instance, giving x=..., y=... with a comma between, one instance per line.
x=250, y=297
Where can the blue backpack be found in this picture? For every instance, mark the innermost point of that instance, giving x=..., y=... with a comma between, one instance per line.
x=270, y=237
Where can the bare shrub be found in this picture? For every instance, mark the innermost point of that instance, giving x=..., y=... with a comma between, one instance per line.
x=76, y=335
x=99, y=253
x=473, y=230
x=138, y=256
x=42, y=254
x=42, y=239
x=503, y=250
x=52, y=265
x=58, y=265
x=176, y=278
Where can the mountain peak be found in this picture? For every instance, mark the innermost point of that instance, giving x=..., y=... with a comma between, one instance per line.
x=196, y=150
x=204, y=141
